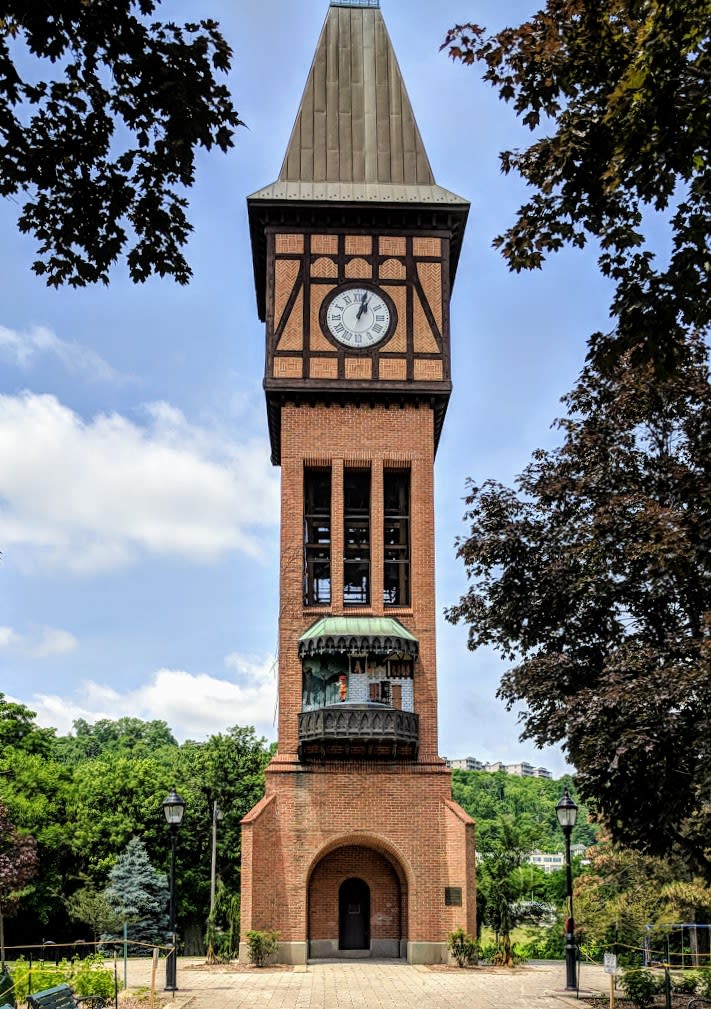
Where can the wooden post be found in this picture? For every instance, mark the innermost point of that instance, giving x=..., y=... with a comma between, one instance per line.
x=154, y=971
x=610, y=964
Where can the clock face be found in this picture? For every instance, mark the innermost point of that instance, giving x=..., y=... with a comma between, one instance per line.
x=359, y=317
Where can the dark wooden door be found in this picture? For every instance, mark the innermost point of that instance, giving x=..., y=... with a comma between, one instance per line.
x=354, y=914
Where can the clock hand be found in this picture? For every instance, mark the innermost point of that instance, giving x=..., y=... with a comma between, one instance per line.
x=363, y=305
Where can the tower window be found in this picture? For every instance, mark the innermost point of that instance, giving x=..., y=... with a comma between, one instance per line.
x=396, y=540
x=317, y=537
x=356, y=537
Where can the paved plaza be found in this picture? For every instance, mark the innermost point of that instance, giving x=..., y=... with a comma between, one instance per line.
x=368, y=984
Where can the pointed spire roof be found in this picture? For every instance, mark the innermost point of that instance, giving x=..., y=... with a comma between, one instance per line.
x=355, y=137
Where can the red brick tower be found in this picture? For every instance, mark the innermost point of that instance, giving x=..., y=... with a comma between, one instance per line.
x=357, y=848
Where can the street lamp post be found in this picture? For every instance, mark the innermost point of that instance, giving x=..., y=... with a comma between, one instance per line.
x=567, y=813
x=173, y=807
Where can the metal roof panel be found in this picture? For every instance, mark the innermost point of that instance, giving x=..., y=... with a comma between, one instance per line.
x=348, y=192
x=355, y=122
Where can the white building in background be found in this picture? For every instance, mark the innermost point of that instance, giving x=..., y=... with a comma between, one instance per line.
x=520, y=770
x=551, y=861
x=546, y=860
x=466, y=764
x=524, y=770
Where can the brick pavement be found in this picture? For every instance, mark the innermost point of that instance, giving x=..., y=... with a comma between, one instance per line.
x=387, y=984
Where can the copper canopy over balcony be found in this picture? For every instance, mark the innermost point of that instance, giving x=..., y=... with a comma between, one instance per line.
x=356, y=635
x=358, y=731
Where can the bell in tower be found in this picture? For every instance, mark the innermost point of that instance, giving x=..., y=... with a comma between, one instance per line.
x=357, y=848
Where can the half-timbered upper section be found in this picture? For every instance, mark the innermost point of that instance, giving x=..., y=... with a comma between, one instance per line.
x=355, y=231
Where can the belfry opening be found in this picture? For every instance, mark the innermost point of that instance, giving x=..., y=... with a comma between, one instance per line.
x=357, y=849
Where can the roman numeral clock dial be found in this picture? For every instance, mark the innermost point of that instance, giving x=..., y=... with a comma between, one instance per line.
x=358, y=317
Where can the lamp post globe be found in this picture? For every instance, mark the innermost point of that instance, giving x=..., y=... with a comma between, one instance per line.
x=567, y=813
x=173, y=808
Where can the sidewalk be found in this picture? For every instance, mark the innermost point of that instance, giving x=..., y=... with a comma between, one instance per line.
x=368, y=984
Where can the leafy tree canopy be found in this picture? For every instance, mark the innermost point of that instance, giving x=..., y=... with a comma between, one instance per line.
x=101, y=115
x=592, y=576
x=623, y=893
x=124, y=735
x=488, y=797
x=35, y=790
x=500, y=885
x=96, y=789
x=18, y=864
x=228, y=769
x=620, y=92
x=112, y=798
x=34, y=787
x=92, y=906
x=19, y=730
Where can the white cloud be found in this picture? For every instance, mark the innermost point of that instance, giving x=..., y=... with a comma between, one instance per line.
x=52, y=642
x=24, y=347
x=93, y=496
x=41, y=643
x=8, y=637
x=193, y=705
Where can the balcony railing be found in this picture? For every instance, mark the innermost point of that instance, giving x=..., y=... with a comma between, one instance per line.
x=355, y=731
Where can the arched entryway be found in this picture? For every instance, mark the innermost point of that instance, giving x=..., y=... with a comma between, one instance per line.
x=357, y=904
x=354, y=914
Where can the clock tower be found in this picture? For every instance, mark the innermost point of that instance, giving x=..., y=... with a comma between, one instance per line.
x=357, y=848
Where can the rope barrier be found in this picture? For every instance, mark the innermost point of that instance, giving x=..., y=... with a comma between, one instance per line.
x=658, y=955
x=101, y=944
x=69, y=967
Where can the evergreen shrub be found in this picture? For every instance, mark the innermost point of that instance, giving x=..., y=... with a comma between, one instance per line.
x=704, y=982
x=641, y=987
x=684, y=984
x=463, y=947
x=261, y=945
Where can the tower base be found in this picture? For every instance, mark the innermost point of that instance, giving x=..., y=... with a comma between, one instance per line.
x=355, y=861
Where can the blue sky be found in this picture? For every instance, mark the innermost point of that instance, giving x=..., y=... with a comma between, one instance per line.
x=138, y=508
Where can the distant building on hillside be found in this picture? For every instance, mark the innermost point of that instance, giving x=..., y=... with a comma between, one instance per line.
x=523, y=770
x=520, y=770
x=551, y=861
x=466, y=764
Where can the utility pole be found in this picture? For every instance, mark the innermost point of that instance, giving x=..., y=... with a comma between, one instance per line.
x=217, y=814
